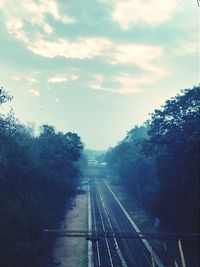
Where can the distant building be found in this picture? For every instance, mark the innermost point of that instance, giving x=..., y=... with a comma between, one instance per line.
x=92, y=162
x=95, y=163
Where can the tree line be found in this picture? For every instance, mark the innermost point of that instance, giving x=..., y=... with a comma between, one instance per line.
x=158, y=162
x=38, y=175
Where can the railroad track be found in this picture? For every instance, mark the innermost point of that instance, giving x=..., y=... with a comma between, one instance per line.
x=105, y=250
x=108, y=216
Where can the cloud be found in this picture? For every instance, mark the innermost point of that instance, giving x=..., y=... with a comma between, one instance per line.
x=38, y=43
x=16, y=78
x=96, y=86
x=126, y=84
x=129, y=83
x=79, y=48
x=74, y=77
x=62, y=78
x=57, y=79
x=90, y=47
x=99, y=77
x=15, y=28
x=145, y=56
x=152, y=12
x=132, y=84
x=138, y=54
x=38, y=10
x=57, y=100
x=82, y=48
x=32, y=13
x=32, y=80
x=1, y=3
x=186, y=46
x=14, y=24
x=34, y=92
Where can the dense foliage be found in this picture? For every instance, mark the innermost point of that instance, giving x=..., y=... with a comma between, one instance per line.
x=159, y=162
x=37, y=176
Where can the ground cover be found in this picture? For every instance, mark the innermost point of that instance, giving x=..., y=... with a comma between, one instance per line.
x=146, y=223
x=70, y=251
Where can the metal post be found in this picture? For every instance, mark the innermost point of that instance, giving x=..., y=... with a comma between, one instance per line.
x=45, y=247
x=165, y=254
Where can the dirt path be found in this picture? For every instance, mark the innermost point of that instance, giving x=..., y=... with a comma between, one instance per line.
x=70, y=251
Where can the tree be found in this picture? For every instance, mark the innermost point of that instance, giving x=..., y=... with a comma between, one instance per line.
x=4, y=96
x=161, y=159
x=174, y=141
x=136, y=171
x=38, y=174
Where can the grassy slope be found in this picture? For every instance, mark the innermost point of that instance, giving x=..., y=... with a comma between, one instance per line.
x=145, y=222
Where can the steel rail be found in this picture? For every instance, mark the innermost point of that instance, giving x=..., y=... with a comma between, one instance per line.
x=111, y=227
x=103, y=225
x=95, y=227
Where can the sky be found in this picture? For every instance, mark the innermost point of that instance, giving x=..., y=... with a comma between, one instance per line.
x=96, y=67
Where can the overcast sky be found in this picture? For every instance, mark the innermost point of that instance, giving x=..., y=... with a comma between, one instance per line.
x=96, y=67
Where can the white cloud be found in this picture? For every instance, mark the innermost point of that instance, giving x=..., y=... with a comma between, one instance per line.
x=1, y=3
x=96, y=86
x=186, y=46
x=38, y=43
x=126, y=84
x=74, y=77
x=138, y=54
x=57, y=79
x=15, y=28
x=90, y=47
x=82, y=48
x=34, y=92
x=47, y=28
x=62, y=78
x=57, y=100
x=32, y=12
x=143, y=56
x=130, y=84
x=32, y=80
x=37, y=12
x=14, y=24
x=99, y=77
x=152, y=12
x=16, y=78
